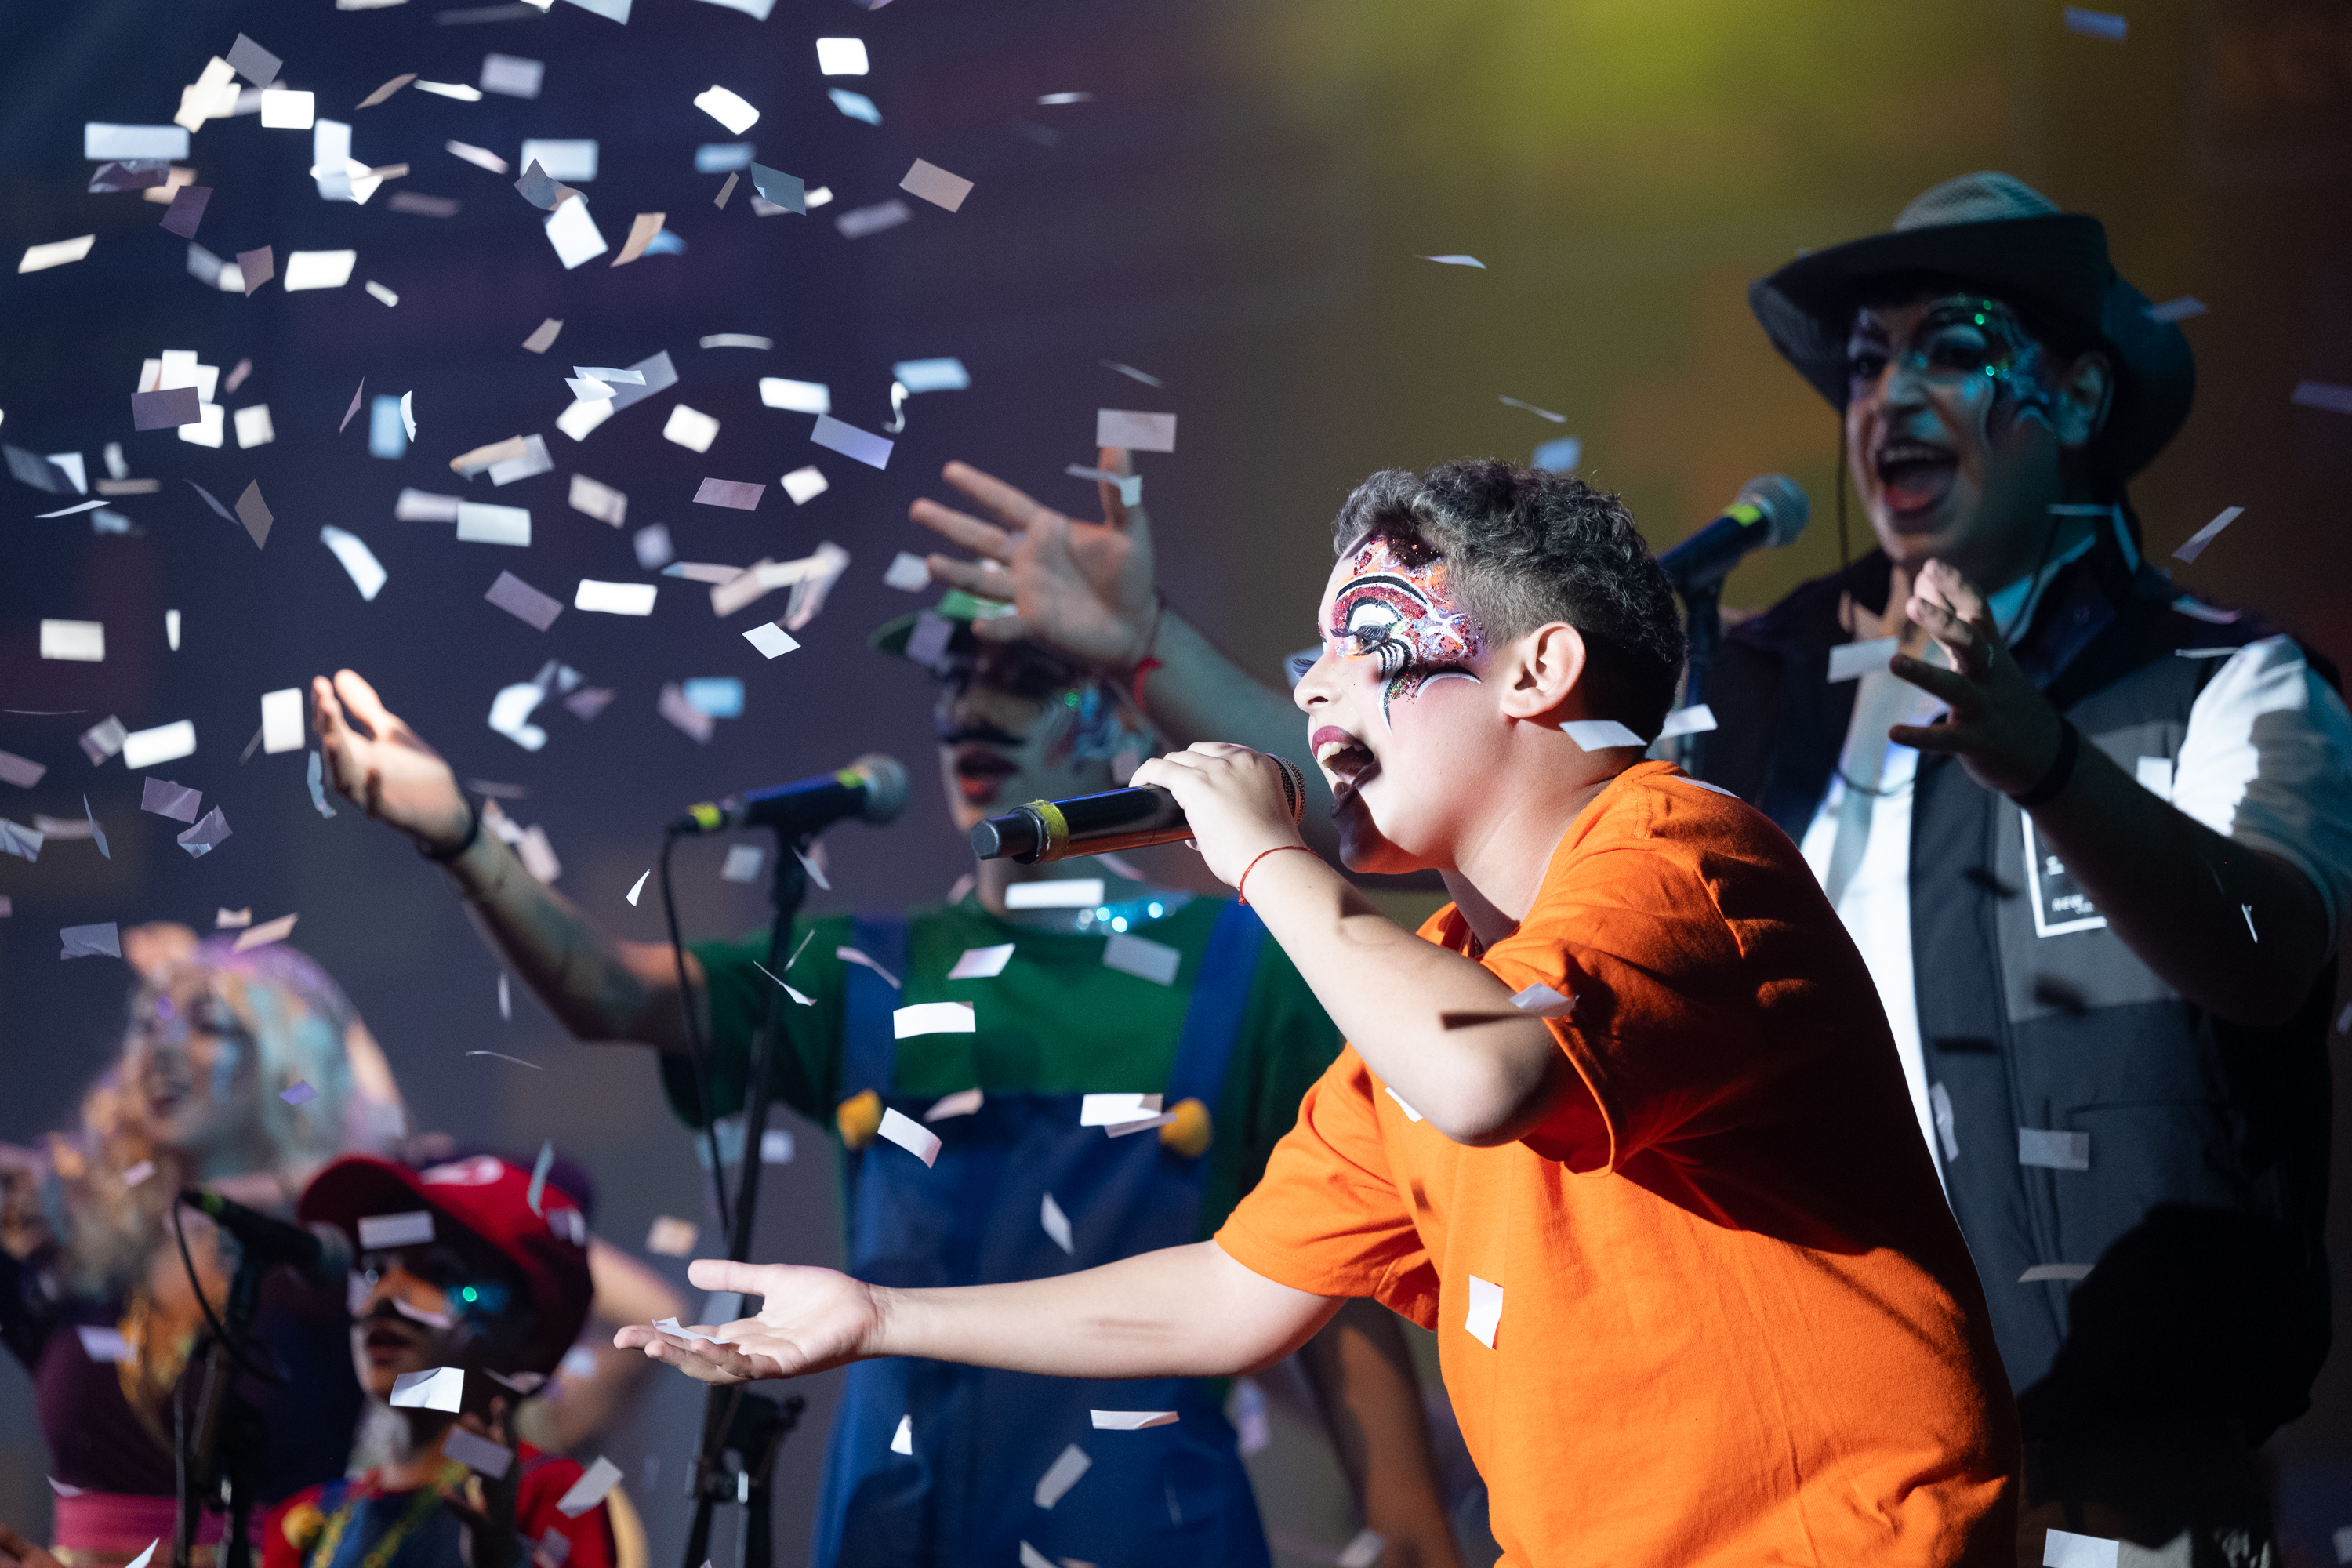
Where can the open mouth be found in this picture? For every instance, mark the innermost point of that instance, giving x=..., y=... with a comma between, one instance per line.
x=164, y=1095
x=1341, y=755
x=981, y=772
x=385, y=1342
x=1913, y=476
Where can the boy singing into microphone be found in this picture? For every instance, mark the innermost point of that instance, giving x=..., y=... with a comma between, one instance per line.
x=1623, y=1123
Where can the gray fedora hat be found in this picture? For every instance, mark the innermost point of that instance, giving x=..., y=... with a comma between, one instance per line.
x=1997, y=232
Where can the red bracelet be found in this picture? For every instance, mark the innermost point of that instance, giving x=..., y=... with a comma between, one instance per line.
x=1149, y=662
x=1242, y=886
x=1146, y=667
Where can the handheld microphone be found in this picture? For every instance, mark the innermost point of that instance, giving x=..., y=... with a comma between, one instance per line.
x=321, y=1254
x=1099, y=824
x=1770, y=509
x=873, y=787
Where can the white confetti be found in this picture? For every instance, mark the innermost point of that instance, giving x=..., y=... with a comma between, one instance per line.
x=771, y=639
x=1543, y=1002
x=1056, y=1224
x=614, y=598
x=1056, y=893
x=728, y=108
x=1110, y=1109
x=690, y=428
x=932, y=1018
x=1852, y=660
x=962, y=1102
x=1486, y=1310
x=1694, y=719
x=2064, y=1549
x=442, y=1388
x=1061, y=1476
x=602, y=1477
x=1143, y=958
x=367, y=573
x=1601, y=734
x=982, y=962
x=1130, y=1420
x=910, y=1135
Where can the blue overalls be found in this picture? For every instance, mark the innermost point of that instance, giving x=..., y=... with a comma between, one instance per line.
x=1166, y=1497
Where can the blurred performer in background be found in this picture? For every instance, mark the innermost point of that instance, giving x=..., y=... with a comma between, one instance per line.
x=491, y=1280
x=96, y=1300
x=1138, y=988
x=2114, y=823
x=94, y=1297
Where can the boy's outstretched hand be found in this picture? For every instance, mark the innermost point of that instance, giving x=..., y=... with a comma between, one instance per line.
x=811, y=1319
x=1233, y=800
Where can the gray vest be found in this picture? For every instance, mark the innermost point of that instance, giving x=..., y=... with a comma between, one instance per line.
x=2089, y=1103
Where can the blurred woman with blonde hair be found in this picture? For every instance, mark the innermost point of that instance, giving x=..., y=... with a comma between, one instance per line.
x=244, y=1071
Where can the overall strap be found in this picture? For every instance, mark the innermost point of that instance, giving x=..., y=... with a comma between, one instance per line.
x=868, y=1046
x=1220, y=994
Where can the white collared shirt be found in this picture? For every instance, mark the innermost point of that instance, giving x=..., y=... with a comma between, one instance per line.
x=2283, y=786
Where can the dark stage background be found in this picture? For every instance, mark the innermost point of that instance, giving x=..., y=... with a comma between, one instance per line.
x=1239, y=210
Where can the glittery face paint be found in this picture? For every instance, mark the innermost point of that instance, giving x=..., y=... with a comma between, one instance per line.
x=1398, y=613
x=1969, y=344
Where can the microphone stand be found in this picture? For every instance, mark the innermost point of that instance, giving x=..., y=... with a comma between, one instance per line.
x=217, y=1459
x=1702, y=635
x=753, y=1427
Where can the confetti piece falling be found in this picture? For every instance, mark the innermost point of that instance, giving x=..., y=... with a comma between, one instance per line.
x=2096, y=23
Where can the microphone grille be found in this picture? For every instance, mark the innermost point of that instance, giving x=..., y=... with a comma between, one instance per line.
x=1294, y=786
x=1783, y=502
x=885, y=787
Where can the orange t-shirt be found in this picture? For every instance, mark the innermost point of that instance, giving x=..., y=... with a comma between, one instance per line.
x=1738, y=1324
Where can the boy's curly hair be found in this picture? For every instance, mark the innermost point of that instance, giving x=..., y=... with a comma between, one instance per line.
x=1524, y=547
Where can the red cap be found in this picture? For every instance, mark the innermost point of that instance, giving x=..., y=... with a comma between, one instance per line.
x=488, y=1199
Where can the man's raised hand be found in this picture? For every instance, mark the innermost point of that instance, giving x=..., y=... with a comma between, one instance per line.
x=810, y=1320
x=387, y=771
x=1082, y=588
x=2002, y=728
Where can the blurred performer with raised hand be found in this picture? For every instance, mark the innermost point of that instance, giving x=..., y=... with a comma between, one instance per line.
x=1138, y=989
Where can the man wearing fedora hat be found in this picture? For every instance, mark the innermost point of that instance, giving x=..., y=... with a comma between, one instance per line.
x=2094, y=836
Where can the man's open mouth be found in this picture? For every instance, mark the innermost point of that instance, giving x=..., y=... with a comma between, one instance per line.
x=1913, y=476
x=385, y=1341
x=981, y=772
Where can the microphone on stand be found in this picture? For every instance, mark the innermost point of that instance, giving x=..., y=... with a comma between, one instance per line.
x=1096, y=823
x=1769, y=510
x=321, y=1254
x=873, y=787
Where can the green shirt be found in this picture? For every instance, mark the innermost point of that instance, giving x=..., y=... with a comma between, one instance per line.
x=1055, y=1020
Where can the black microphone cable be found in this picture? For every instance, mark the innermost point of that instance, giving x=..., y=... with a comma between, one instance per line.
x=697, y=1052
